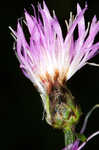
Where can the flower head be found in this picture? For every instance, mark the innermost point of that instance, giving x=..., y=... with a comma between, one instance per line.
x=48, y=57
x=49, y=61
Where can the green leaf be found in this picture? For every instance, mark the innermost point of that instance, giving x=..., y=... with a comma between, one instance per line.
x=81, y=137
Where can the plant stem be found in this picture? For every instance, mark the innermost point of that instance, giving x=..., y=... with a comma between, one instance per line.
x=69, y=136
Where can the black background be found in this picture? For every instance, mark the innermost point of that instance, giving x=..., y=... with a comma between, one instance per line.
x=21, y=111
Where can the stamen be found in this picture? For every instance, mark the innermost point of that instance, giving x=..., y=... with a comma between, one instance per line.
x=93, y=64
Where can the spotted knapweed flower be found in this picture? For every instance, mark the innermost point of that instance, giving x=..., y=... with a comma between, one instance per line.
x=49, y=61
